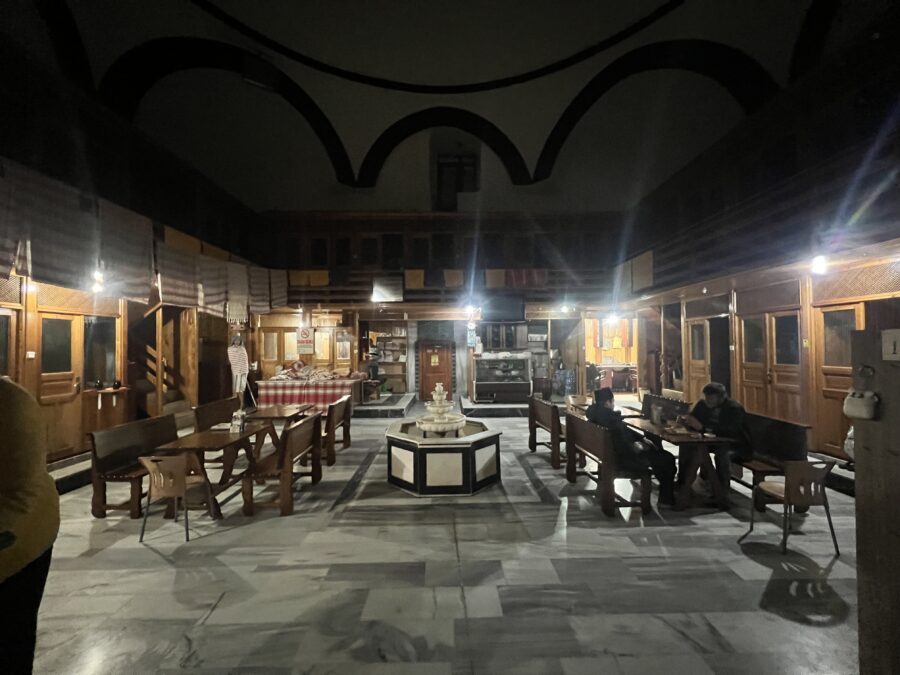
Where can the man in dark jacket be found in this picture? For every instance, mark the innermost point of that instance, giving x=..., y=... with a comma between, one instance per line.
x=632, y=452
x=717, y=414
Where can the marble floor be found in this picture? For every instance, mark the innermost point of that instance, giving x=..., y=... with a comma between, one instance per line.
x=525, y=577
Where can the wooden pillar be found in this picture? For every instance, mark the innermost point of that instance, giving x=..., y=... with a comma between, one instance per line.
x=877, y=455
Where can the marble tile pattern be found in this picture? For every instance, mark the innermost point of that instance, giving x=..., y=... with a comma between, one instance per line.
x=524, y=577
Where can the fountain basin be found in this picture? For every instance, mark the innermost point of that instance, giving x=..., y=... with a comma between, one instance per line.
x=441, y=423
x=460, y=464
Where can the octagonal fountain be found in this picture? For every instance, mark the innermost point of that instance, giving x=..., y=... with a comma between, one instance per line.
x=442, y=452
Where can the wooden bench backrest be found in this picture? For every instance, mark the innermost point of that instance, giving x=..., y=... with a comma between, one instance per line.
x=670, y=407
x=300, y=437
x=589, y=438
x=338, y=412
x=210, y=414
x=122, y=445
x=545, y=414
x=776, y=441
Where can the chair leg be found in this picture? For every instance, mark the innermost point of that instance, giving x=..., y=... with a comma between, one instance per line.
x=285, y=492
x=247, y=495
x=646, y=490
x=785, y=527
x=754, y=495
x=134, y=503
x=187, y=532
x=607, y=493
x=146, y=513
x=571, y=471
x=837, y=551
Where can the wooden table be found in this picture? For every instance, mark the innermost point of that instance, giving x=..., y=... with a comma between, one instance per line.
x=701, y=444
x=280, y=412
x=222, y=440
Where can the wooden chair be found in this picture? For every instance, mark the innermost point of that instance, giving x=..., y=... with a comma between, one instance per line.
x=575, y=400
x=803, y=486
x=174, y=477
x=545, y=415
x=338, y=416
x=299, y=442
x=586, y=439
x=115, y=454
x=209, y=415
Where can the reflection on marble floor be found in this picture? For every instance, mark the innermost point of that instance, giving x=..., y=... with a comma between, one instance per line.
x=526, y=577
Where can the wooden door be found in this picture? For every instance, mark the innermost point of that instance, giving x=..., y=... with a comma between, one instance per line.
x=61, y=339
x=753, y=360
x=785, y=401
x=269, y=351
x=697, y=350
x=833, y=326
x=324, y=339
x=435, y=365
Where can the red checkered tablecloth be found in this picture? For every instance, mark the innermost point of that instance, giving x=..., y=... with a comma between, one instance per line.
x=320, y=394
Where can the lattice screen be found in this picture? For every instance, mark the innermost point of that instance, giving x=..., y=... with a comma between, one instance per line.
x=11, y=290
x=56, y=297
x=859, y=282
x=785, y=295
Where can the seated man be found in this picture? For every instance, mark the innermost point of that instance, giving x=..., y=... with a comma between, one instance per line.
x=632, y=452
x=720, y=415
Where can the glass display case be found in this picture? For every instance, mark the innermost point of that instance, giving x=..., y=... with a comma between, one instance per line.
x=503, y=377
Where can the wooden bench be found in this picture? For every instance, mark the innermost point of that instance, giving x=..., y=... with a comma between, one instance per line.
x=773, y=443
x=591, y=441
x=545, y=415
x=209, y=415
x=338, y=416
x=671, y=408
x=114, y=459
x=300, y=442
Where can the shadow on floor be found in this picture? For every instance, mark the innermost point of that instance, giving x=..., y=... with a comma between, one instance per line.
x=798, y=589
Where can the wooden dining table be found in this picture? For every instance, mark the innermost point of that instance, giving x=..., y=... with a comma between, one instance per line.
x=280, y=412
x=251, y=440
x=700, y=445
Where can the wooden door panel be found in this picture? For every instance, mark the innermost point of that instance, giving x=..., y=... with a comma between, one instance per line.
x=59, y=385
x=784, y=356
x=833, y=374
x=269, y=351
x=435, y=366
x=697, y=350
x=753, y=391
x=832, y=426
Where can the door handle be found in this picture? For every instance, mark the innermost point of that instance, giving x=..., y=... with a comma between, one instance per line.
x=77, y=385
x=769, y=376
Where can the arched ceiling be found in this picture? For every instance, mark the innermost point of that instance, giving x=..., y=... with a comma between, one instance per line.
x=329, y=105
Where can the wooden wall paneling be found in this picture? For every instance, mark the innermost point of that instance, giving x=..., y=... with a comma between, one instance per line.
x=160, y=360
x=188, y=367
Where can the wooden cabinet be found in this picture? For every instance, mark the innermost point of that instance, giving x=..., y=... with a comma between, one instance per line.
x=104, y=408
x=390, y=338
x=504, y=336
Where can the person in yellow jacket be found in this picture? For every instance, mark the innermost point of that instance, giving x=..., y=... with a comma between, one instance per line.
x=29, y=523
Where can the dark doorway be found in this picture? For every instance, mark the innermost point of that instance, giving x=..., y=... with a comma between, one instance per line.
x=720, y=351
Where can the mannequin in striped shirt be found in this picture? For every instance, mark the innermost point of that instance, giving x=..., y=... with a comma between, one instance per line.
x=240, y=365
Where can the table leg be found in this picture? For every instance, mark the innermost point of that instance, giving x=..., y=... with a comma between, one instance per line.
x=215, y=510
